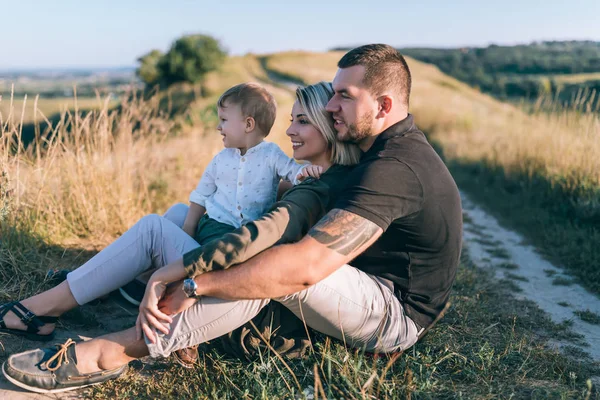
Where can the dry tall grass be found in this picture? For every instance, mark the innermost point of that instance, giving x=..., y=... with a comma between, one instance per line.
x=85, y=180
x=96, y=173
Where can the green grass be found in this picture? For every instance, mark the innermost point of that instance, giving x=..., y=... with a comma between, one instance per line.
x=542, y=213
x=515, y=277
x=508, y=265
x=498, y=252
x=486, y=242
x=588, y=316
x=561, y=281
x=467, y=219
x=489, y=345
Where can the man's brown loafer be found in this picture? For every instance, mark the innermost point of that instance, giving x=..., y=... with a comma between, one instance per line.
x=187, y=357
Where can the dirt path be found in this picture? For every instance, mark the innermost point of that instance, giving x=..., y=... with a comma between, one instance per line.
x=503, y=251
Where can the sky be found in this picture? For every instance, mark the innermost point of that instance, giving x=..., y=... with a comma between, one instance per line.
x=108, y=33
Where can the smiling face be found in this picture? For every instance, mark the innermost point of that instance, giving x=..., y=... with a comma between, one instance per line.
x=307, y=141
x=232, y=126
x=353, y=107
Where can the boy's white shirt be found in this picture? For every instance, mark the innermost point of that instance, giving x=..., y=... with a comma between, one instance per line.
x=236, y=189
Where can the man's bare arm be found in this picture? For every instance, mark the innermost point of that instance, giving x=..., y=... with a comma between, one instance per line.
x=336, y=239
x=344, y=232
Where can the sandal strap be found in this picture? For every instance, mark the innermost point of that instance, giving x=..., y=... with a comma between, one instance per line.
x=32, y=321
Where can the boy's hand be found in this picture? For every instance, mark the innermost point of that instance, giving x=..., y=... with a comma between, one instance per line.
x=311, y=171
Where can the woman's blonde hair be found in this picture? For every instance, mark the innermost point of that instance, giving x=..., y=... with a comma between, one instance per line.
x=313, y=99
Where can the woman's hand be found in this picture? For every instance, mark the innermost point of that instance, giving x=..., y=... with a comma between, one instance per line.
x=175, y=300
x=150, y=316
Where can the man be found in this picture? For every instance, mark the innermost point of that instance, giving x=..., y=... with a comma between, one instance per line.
x=398, y=223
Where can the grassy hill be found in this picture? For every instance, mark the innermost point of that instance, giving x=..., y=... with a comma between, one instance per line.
x=560, y=70
x=541, y=172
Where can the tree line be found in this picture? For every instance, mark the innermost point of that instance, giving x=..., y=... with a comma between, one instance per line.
x=519, y=71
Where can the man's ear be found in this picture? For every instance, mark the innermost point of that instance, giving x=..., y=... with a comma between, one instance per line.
x=385, y=105
x=250, y=124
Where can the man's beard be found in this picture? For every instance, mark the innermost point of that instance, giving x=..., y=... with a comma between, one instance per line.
x=360, y=130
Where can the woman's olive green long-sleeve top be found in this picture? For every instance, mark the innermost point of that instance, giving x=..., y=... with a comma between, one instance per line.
x=287, y=221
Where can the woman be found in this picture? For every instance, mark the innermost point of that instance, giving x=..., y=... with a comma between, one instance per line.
x=155, y=242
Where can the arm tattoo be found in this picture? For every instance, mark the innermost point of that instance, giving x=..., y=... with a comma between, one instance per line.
x=343, y=231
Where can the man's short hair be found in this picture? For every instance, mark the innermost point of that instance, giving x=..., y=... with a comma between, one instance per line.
x=385, y=69
x=255, y=101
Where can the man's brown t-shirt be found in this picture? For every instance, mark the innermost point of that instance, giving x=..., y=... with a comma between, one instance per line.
x=403, y=186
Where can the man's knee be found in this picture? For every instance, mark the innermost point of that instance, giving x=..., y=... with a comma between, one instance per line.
x=329, y=282
x=208, y=319
x=294, y=297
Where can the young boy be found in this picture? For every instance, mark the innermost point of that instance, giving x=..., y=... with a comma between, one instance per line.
x=240, y=183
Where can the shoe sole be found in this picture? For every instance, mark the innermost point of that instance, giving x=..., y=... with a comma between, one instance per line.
x=38, y=390
x=128, y=297
x=183, y=363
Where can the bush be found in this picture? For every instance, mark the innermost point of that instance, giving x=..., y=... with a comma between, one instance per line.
x=148, y=70
x=188, y=60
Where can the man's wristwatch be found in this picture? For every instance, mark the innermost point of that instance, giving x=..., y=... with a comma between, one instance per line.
x=189, y=287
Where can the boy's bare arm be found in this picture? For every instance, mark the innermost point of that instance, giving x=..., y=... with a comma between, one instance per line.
x=194, y=214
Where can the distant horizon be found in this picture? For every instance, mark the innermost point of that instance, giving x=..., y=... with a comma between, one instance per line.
x=112, y=67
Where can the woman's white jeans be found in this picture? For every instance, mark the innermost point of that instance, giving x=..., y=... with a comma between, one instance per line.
x=349, y=305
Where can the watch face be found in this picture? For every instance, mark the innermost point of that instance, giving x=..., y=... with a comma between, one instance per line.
x=189, y=287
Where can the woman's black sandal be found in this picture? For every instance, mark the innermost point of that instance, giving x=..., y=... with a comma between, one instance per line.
x=31, y=321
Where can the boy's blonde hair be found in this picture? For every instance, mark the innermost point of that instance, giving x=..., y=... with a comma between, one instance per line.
x=313, y=100
x=255, y=101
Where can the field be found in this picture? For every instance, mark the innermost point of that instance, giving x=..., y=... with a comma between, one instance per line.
x=539, y=172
